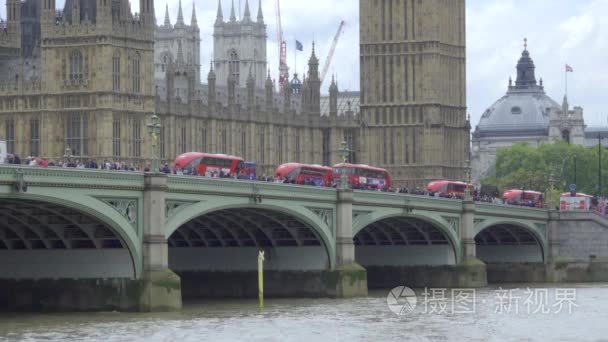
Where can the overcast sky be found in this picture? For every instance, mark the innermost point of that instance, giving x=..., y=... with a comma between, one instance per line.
x=558, y=32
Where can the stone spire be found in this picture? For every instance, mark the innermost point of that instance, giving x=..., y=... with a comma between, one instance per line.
x=250, y=91
x=211, y=75
x=260, y=14
x=565, y=105
x=220, y=16
x=180, y=15
x=333, y=97
x=232, y=15
x=211, y=88
x=167, y=20
x=247, y=15
x=269, y=93
x=525, y=70
x=194, y=21
x=313, y=64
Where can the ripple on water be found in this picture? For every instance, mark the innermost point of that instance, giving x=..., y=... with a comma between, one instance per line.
x=361, y=319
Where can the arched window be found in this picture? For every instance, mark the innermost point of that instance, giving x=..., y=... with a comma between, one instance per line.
x=76, y=65
x=566, y=135
x=165, y=61
x=233, y=65
x=116, y=71
x=136, y=73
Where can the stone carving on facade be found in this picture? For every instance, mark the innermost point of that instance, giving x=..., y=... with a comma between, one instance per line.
x=125, y=207
x=173, y=207
x=326, y=215
x=453, y=222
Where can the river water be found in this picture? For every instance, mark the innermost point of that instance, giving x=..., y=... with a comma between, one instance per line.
x=526, y=312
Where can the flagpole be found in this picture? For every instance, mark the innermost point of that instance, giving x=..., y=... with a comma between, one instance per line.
x=566, y=69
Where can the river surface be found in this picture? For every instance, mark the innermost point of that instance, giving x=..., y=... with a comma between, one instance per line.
x=526, y=312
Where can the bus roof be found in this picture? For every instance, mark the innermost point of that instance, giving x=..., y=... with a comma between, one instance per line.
x=360, y=166
x=578, y=194
x=442, y=182
x=435, y=186
x=190, y=156
x=519, y=191
x=284, y=169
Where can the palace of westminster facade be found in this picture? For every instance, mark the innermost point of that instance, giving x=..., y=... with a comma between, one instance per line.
x=89, y=77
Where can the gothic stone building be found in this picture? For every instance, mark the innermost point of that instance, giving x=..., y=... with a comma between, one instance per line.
x=239, y=111
x=95, y=77
x=413, y=89
x=87, y=84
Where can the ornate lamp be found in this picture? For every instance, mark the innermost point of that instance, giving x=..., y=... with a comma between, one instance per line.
x=344, y=153
x=67, y=154
x=467, y=191
x=154, y=132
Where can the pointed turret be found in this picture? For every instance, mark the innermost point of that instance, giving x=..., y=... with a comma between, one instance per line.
x=194, y=21
x=250, y=91
x=147, y=14
x=167, y=19
x=314, y=84
x=287, y=97
x=180, y=16
x=260, y=15
x=211, y=75
x=525, y=70
x=333, y=97
x=220, y=16
x=269, y=93
x=232, y=15
x=247, y=15
x=211, y=88
x=565, y=105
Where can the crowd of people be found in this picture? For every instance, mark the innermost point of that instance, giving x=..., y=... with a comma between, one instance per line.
x=165, y=168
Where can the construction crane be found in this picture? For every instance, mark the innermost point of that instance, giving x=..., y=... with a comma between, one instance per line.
x=283, y=69
x=330, y=56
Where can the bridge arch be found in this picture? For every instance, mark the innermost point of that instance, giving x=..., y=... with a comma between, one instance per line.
x=510, y=240
x=431, y=226
x=81, y=235
x=301, y=214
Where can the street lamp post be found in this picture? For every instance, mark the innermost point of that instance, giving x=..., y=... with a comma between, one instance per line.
x=467, y=190
x=575, y=169
x=67, y=156
x=599, y=165
x=154, y=131
x=344, y=153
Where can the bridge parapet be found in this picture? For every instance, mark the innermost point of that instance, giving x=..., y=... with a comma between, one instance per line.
x=384, y=199
x=232, y=187
x=72, y=178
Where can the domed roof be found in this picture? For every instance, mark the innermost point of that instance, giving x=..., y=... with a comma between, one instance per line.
x=525, y=108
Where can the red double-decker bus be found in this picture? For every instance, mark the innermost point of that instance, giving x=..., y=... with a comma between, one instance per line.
x=363, y=176
x=521, y=196
x=304, y=174
x=447, y=188
x=206, y=164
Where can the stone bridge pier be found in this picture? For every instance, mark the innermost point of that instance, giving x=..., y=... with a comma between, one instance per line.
x=161, y=287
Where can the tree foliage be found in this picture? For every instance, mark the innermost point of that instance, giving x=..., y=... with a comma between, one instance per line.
x=548, y=166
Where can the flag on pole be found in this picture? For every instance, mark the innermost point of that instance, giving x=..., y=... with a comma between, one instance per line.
x=569, y=68
x=299, y=46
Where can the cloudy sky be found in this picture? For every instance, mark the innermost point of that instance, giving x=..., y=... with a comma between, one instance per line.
x=558, y=32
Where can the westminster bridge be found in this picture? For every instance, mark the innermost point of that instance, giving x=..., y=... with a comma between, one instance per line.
x=87, y=240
